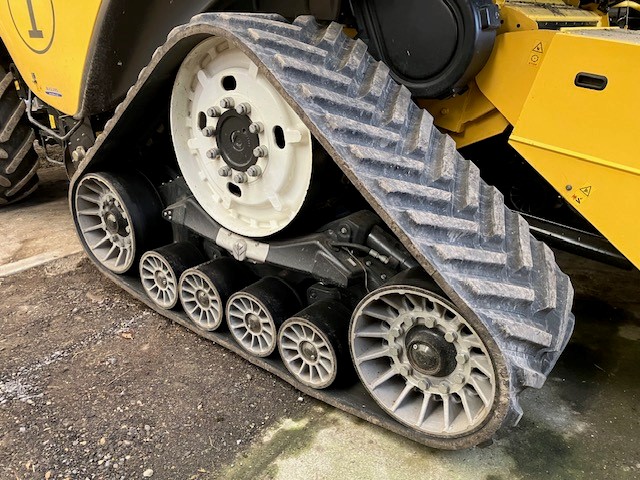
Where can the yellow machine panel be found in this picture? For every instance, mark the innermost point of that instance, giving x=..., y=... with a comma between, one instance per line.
x=49, y=43
x=588, y=76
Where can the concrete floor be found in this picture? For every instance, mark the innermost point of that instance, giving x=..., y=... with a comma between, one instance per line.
x=41, y=227
x=583, y=424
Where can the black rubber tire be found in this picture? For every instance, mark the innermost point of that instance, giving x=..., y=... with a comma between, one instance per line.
x=18, y=158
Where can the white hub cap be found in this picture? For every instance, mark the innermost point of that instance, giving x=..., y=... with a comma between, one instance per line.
x=245, y=154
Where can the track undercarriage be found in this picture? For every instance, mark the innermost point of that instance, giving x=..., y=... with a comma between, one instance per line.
x=314, y=221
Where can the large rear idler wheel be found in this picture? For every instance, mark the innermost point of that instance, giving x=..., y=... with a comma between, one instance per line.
x=205, y=290
x=425, y=364
x=245, y=154
x=313, y=344
x=118, y=217
x=160, y=271
x=255, y=314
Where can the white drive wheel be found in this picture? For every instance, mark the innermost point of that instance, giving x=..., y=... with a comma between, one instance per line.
x=245, y=154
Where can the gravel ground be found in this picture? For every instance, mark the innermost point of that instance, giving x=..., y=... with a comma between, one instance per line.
x=94, y=385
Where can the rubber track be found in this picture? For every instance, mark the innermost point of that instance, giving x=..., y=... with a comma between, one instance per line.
x=455, y=224
x=479, y=252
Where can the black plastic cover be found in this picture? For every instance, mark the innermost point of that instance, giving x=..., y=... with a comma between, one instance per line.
x=434, y=47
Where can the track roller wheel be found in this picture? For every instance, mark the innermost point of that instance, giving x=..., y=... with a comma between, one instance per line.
x=255, y=314
x=313, y=344
x=205, y=289
x=427, y=366
x=118, y=218
x=160, y=270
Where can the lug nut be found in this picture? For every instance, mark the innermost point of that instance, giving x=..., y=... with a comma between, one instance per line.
x=429, y=322
x=240, y=177
x=423, y=384
x=260, y=151
x=254, y=171
x=208, y=131
x=256, y=127
x=462, y=358
x=458, y=379
x=394, y=350
x=396, y=330
x=243, y=109
x=214, y=112
x=224, y=171
x=213, y=153
x=227, y=102
x=404, y=370
x=451, y=337
x=444, y=387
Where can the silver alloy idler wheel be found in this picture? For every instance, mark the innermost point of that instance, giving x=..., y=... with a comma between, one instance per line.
x=422, y=362
x=160, y=270
x=115, y=227
x=205, y=290
x=255, y=314
x=245, y=154
x=313, y=344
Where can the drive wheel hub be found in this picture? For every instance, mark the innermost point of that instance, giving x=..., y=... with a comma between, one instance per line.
x=236, y=142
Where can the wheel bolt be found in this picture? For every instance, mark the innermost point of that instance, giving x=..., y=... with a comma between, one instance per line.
x=451, y=337
x=429, y=322
x=243, y=109
x=404, y=370
x=462, y=358
x=423, y=384
x=256, y=127
x=214, y=112
x=208, y=131
x=458, y=379
x=254, y=171
x=224, y=171
x=227, y=102
x=260, y=151
x=394, y=350
x=444, y=387
x=213, y=153
x=396, y=331
x=240, y=177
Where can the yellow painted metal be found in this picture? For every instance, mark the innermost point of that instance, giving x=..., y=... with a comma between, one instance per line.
x=563, y=130
x=519, y=50
x=512, y=69
x=469, y=117
x=49, y=41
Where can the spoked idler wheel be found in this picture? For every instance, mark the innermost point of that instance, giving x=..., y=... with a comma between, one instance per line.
x=255, y=314
x=427, y=366
x=244, y=153
x=160, y=271
x=205, y=290
x=118, y=217
x=313, y=344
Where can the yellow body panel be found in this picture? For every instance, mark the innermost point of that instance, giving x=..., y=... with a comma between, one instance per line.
x=49, y=41
x=563, y=130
